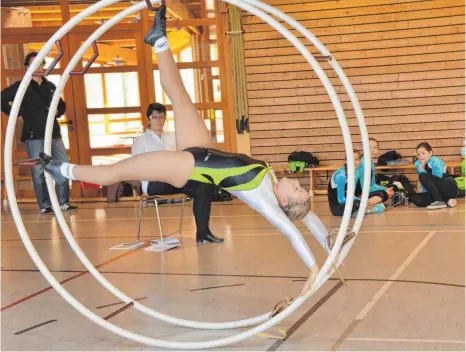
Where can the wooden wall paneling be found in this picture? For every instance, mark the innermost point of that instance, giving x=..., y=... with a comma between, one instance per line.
x=315, y=106
x=363, y=30
x=298, y=6
x=370, y=72
x=390, y=37
x=367, y=9
x=405, y=60
x=294, y=87
x=447, y=10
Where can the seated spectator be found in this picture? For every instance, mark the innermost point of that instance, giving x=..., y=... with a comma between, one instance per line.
x=155, y=139
x=377, y=194
x=439, y=189
x=337, y=189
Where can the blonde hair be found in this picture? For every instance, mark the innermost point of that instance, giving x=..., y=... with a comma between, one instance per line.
x=296, y=210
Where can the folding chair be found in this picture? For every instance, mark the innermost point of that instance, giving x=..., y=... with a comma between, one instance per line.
x=165, y=242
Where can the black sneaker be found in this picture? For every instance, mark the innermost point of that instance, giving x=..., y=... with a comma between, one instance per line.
x=52, y=166
x=68, y=207
x=47, y=211
x=159, y=27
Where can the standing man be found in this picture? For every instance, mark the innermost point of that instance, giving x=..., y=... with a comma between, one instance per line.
x=155, y=139
x=33, y=112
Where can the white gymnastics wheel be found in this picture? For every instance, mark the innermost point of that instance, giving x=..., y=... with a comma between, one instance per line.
x=255, y=7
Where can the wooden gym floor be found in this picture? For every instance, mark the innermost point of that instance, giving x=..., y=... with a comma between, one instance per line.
x=406, y=276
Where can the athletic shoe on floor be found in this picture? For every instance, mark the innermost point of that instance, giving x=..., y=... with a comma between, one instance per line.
x=437, y=205
x=47, y=211
x=68, y=207
x=376, y=209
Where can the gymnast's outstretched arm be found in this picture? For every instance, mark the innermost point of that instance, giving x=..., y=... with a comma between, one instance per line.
x=263, y=200
x=317, y=228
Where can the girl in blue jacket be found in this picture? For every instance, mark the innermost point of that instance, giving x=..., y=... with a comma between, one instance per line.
x=439, y=189
x=377, y=194
x=337, y=188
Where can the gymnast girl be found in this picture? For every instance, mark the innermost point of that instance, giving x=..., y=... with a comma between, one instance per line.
x=195, y=162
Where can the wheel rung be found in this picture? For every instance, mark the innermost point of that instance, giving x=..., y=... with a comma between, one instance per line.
x=323, y=58
x=27, y=162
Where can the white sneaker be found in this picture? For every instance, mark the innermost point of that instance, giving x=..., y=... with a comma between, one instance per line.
x=68, y=207
x=47, y=211
x=452, y=203
x=437, y=205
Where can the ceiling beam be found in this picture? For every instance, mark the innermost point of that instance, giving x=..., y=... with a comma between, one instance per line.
x=179, y=10
x=109, y=50
x=107, y=53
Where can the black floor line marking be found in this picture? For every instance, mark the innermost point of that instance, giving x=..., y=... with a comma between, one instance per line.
x=134, y=207
x=119, y=310
x=403, y=281
x=35, y=326
x=212, y=287
x=117, y=303
x=336, y=226
x=364, y=229
x=306, y=316
x=28, y=211
x=294, y=278
x=272, y=228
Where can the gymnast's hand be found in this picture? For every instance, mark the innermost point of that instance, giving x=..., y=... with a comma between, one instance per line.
x=311, y=279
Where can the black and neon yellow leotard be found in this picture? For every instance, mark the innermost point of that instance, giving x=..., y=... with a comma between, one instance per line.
x=230, y=171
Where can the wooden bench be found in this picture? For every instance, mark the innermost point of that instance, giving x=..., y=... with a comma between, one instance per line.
x=313, y=173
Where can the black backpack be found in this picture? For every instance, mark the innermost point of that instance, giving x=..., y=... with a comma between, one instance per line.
x=388, y=156
x=307, y=158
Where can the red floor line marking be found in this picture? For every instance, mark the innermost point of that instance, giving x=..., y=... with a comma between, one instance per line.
x=65, y=281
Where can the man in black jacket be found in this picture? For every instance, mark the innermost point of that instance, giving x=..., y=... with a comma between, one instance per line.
x=33, y=111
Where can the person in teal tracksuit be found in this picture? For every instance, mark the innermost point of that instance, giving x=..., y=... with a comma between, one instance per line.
x=439, y=189
x=378, y=195
x=337, y=191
